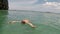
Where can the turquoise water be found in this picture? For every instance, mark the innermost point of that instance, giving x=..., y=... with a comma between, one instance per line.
x=47, y=23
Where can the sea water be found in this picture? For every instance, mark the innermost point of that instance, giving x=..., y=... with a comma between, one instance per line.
x=45, y=22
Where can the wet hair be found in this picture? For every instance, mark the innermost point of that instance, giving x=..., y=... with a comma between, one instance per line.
x=23, y=22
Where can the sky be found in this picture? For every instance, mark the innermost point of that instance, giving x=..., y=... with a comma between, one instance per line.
x=36, y=5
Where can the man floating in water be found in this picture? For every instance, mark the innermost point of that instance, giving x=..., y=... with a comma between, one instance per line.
x=25, y=21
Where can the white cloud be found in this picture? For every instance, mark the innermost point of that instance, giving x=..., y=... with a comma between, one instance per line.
x=28, y=5
x=47, y=6
x=21, y=4
x=24, y=2
x=51, y=4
